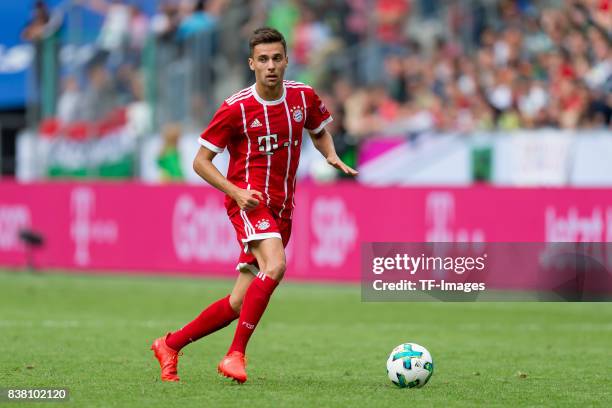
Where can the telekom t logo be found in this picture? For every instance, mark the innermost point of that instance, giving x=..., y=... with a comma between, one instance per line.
x=443, y=223
x=440, y=216
x=270, y=142
x=84, y=228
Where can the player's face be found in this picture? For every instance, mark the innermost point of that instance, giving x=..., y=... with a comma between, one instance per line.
x=269, y=63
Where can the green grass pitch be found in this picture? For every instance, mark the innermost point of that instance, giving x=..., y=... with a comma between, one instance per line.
x=317, y=346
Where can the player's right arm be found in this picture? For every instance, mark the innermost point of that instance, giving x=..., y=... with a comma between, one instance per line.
x=213, y=141
x=204, y=167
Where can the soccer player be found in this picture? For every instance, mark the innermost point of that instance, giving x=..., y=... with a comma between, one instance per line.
x=261, y=126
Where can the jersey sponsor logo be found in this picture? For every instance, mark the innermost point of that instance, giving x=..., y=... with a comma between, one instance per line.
x=267, y=143
x=256, y=123
x=297, y=114
x=263, y=224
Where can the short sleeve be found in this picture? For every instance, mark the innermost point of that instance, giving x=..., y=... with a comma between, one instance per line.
x=219, y=131
x=317, y=115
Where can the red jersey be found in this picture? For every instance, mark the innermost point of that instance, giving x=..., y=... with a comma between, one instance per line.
x=264, y=139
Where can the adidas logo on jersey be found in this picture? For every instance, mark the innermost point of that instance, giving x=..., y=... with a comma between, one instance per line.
x=256, y=123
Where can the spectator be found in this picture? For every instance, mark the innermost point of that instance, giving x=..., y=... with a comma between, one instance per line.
x=310, y=37
x=99, y=98
x=196, y=19
x=69, y=103
x=137, y=34
x=114, y=33
x=524, y=65
x=42, y=30
x=166, y=21
x=138, y=112
x=391, y=17
x=169, y=159
x=34, y=30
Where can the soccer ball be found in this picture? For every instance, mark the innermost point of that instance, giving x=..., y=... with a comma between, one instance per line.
x=410, y=365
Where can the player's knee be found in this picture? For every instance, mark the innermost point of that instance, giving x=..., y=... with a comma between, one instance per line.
x=235, y=303
x=276, y=270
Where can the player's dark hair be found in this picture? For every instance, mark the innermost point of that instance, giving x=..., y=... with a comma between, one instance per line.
x=266, y=35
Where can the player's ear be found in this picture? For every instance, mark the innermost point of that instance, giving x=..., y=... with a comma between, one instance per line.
x=251, y=64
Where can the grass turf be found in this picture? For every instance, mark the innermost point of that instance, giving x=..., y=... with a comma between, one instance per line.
x=317, y=345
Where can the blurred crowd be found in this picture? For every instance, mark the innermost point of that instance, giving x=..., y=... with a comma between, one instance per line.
x=98, y=78
x=383, y=66
x=522, y=68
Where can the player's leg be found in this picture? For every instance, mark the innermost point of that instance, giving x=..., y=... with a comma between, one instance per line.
x=216, y=316
x=270, y=254
x=240, y=287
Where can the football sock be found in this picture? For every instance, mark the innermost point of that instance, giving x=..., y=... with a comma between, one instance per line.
x=214, y=317
x=253, y=307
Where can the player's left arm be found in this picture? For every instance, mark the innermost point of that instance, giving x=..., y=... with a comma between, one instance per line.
x=324, y=143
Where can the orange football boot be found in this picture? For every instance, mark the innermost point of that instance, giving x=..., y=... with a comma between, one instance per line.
x=233, y=366
x=167, y=357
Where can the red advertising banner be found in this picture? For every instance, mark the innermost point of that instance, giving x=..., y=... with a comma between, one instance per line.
x=184, y=229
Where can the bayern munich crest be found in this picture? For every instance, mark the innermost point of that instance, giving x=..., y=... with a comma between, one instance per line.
x=263, y=224
x=298, y=115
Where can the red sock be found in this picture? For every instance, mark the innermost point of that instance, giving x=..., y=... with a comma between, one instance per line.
x=253, y=306
x=214, y=317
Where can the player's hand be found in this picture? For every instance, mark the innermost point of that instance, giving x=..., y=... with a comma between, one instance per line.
x=247, y=199
x=339, y=164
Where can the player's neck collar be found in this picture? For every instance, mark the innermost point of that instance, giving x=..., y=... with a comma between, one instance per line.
x=264, y=102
